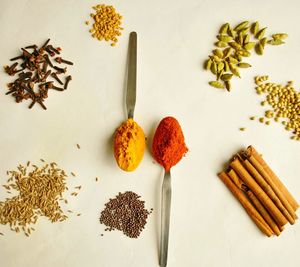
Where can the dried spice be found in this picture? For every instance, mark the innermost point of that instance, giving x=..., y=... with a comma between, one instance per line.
x=37, y=73
x=38, y=192
x=107, y=24
x=126, y=213
x=284, y=103
x=233, y=45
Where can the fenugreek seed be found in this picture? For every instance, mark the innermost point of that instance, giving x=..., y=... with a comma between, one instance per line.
x=280, y=36
x=275, y=42
x=249, y=46
x=254, y=28
x=226, y=77
x=224, y=38
x=224, y=28
x=216, y=84
x=259, y=49
x=243, y=65
x=252, y=118
x=242, y=129
x=261, y=33
x=267, y=122
x=241, y=26
x=261, y=120
x=220, y=44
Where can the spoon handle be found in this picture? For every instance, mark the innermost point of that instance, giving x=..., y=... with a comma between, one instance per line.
x=131, y=74
x=165, y=218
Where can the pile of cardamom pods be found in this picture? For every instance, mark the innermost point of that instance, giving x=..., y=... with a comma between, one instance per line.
x=232, y=46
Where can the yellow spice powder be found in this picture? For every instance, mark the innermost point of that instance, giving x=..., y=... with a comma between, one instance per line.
x=129, y=145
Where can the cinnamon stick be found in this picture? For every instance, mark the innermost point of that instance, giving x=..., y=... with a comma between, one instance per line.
x=260, y=194
x=252, y=212
x=260, y=208
x=251, y=151
x=268, y=190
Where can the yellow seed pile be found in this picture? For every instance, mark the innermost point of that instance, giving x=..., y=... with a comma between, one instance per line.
x=107, y=24
x=285, y=103
x=37, y=193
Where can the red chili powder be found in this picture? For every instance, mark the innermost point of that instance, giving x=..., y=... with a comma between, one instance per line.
x=168, y=143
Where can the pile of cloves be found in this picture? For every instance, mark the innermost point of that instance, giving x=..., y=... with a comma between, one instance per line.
x=37, y=73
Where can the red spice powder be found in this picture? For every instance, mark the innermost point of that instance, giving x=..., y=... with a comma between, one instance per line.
x=168, y=143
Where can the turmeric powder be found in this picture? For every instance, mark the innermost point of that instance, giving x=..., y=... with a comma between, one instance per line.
x=129, y=145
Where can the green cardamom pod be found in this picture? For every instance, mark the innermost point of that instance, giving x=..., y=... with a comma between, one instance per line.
x=226, y=77
x=227, y=52
x=234, y=70
x=241, y=26
x=244, y=53
x=280, y=36
x=243, y=65
x=220, y=44
x=231, y=32
x=246, y=39
x=220, y=66
x=226, y=66
x=215, y=58
x=259, y=49
x=219, y=74
x=249, y=46
x=235, y=45
x=263, y=41
x=216, y=84
x=261, y=33
x=218, y=53
x=254, y=28
x=239, y=39
x=232, y=60
x=207, y=64
x=275, y=42
x=244, y=31
x=224, y=38
x=228, y=85
x=238, y=57
x=224, y=28
x=213, y=68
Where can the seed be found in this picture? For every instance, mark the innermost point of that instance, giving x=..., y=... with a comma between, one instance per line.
x=224, y=28
x=87, y=22
x=220, y=44
x=73, y=174
x=226, y=77
x=241, y=26
x=249, y=46
x=252, y=118
x=78, y=214
x=243, y=65
x=280, y=36
x=254, y=28
x=275, y=42
x=224, y=38
x=78, y=146
x=259, y=49
x=126, y=213
x=216, y=84
x=267, y=122
x=96, y=179
x=242, y=129
x=261, y=33
x=1, y=233
x=261, y=120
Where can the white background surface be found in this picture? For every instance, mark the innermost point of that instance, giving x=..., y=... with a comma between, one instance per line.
x=208, y=226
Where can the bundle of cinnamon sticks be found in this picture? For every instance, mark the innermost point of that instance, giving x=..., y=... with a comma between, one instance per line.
x=264, y=197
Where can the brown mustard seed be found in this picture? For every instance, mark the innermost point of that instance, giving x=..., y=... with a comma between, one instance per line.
x=126, y=213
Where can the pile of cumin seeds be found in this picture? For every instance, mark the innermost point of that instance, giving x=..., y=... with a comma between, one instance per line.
x=126, y=213
x=37, y=191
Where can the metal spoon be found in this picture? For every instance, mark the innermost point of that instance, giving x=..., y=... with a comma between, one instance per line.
x=165, y=218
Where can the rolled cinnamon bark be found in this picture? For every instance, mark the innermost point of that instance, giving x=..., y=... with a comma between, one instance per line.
x=260, y=208
x=252, y=212
x=251, y=151
x=268, y=190
x=259, y=193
